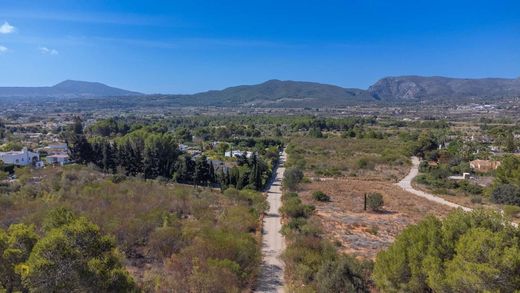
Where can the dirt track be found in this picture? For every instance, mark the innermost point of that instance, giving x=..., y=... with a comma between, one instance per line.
x=273, y=243
x=406, y=184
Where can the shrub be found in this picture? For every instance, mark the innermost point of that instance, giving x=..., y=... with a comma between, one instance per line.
x=320, y=196
x=165, y=241
x=294, y=208
x=470, y=187
x=365, y=163
x=506, y=194
x=476, y=199
x=512, y=211
x=118, y=178
x=291, y=177
x=375, y=201
x=344, y=274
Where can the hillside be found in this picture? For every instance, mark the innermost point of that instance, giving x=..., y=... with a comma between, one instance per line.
x=419, y=88
x=66, y=89
x=292, y=94
x=277, y=93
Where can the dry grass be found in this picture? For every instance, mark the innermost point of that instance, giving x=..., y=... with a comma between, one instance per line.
x=384, y=159
x=363, y=233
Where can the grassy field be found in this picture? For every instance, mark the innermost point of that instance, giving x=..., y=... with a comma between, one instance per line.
x=384, y=159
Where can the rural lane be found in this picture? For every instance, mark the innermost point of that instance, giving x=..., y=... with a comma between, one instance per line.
x=273, y=242
x=406, y=184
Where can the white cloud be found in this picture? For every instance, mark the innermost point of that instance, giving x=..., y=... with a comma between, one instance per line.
x=47, y=51
x=6, y=28
x=3, y=49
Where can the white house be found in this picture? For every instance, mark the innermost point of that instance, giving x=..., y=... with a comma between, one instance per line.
x=20, y=158
x=236, y=154
x=58, y=159
x=57, y=148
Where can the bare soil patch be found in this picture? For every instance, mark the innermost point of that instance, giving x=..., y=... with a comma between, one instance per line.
x=365, y=233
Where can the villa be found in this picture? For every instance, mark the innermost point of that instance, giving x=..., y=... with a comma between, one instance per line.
x=58, y=159
x=20, y=158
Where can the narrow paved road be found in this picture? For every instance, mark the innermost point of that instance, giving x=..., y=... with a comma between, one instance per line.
x=273, y=243
x=406, y=184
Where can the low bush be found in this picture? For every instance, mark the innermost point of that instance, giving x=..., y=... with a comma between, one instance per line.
x=506, y=194
x=375, y=201
x=312, y=263
x=291, y=177
x=476, y=199
x=320, y=196
x=512, y=211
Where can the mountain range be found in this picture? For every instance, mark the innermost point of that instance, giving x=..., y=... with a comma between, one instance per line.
x=66, y=89
x=277, y=93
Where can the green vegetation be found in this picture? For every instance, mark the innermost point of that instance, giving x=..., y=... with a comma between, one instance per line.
x=312, y=263
x=71, y=256
x=466, y=252
x=291, y=177
x=336, y=156
x=506, y=187
x=152, y=152
x=320, y=196
x=177, y=237
x=375, y=201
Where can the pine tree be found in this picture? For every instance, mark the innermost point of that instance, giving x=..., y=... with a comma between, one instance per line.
x=201, y=171
x=211, y=172
x=151, y=163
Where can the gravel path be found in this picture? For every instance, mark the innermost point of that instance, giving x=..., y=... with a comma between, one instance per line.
x=406, y=184
x=273, y=243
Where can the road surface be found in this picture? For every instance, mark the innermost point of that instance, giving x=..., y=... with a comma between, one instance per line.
x=273, y=243
x=406, y=184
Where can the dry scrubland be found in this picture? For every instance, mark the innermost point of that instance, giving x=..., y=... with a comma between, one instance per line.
x=365, y=233
x=381, y=159
x=172, y=237
x=346, y=169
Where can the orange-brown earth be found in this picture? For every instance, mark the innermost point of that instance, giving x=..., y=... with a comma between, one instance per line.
x=365, y=233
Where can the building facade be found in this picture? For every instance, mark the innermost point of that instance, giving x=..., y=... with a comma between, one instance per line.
x=20, y=158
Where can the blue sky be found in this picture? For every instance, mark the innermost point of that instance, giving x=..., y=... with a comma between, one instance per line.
x=188, y=46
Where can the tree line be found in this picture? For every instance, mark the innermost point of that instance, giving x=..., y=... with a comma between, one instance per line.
x=155, y=155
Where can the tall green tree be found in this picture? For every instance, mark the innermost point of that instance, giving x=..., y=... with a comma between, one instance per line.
x=201, y=171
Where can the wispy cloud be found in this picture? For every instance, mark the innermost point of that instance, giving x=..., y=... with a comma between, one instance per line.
x=47, y=51
x=6, y=28
x=196, y=43
x=3, y=49
x=94, y=18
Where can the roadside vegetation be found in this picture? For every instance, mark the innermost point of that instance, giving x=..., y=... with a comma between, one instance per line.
x=152, y=236
x=163, y=204
x=312, y=262
x=466, y=252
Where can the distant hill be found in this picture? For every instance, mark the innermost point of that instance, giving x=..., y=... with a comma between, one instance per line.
x=419, y=88
x=66, y=89
x=293, y=94
x=278, y=93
